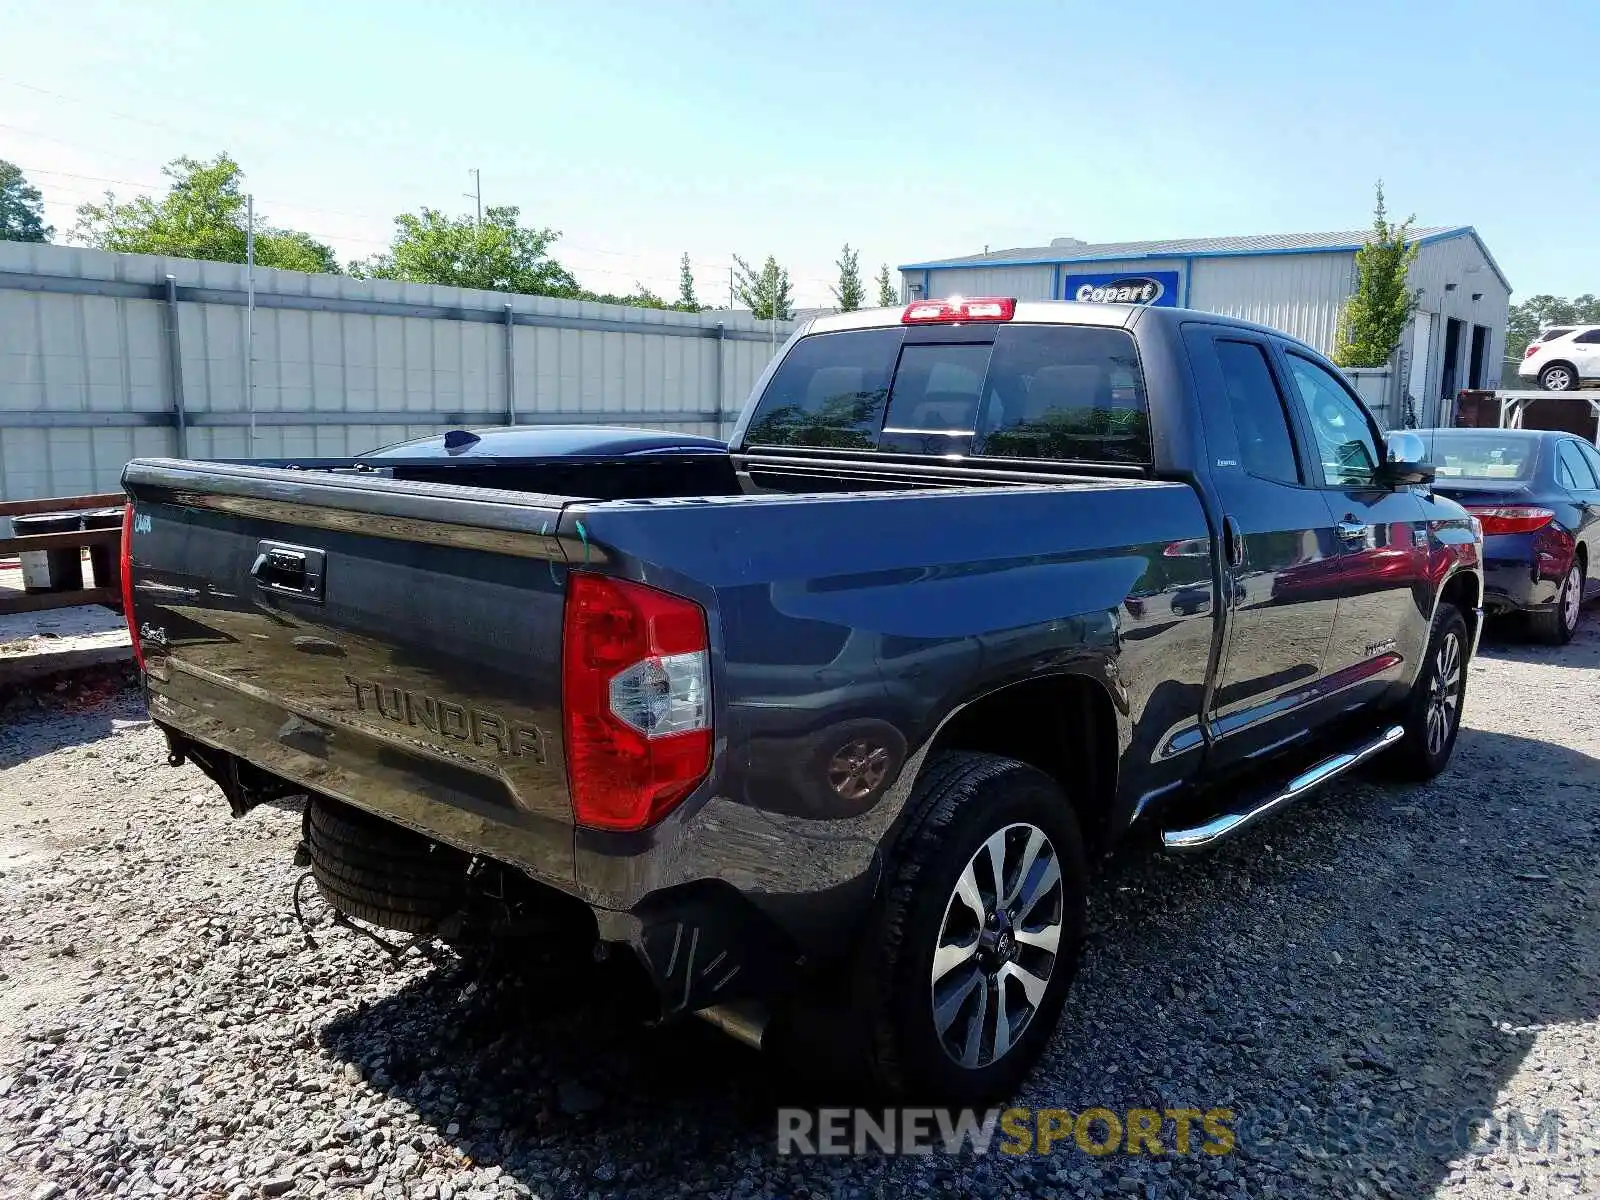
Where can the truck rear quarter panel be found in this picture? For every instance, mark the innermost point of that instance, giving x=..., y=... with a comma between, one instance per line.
x=871, y=618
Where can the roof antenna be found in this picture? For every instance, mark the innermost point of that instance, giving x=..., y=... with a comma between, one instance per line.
x=460, y=439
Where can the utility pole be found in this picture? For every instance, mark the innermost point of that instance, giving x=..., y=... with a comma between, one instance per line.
x=250, y=315
x=477, y=192
x=730, y=287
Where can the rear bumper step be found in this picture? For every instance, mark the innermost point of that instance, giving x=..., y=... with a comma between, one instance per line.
x=1199, y=837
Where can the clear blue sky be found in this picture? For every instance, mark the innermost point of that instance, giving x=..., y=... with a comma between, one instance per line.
x=910, y=130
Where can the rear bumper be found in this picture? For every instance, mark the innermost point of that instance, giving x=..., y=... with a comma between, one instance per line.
x=1513, y=588
x=1513, y=579
x=719, y=902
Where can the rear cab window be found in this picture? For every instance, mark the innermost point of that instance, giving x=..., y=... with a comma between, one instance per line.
x=1071, y=393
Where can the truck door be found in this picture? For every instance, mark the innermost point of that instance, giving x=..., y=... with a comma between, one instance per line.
x=1379, y=571
x=1278, y=545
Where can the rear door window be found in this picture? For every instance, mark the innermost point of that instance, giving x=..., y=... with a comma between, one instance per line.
x=1572, y=472
x=1064, y=392
x=1592, y=457
x=1266, y=448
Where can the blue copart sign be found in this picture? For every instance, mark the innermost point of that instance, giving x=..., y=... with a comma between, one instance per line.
x=1159, y=288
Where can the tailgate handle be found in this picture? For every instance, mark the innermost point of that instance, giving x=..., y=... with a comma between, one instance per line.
x=289, y=570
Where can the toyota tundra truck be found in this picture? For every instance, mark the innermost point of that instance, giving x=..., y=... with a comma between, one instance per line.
x=849, y=705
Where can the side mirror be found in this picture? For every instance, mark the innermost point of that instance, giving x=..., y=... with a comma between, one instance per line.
x=1407, y=461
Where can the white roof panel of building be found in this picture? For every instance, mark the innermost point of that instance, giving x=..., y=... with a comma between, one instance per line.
x=1263, y=243
x=1069, y=250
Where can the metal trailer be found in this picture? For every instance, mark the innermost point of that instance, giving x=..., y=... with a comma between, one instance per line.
x=1514, y=406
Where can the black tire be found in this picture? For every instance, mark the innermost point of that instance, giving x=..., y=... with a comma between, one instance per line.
x=376, y=871
x=961, y=801
x=1419, y=756
x=1558, y=377
x=1557, y=625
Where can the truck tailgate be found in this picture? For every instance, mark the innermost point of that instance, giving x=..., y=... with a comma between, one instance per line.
x=396, y=645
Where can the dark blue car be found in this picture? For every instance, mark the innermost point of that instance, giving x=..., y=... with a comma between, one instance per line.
x=1537, y=493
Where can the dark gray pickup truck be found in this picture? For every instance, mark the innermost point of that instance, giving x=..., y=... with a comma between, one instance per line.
x=847, y=707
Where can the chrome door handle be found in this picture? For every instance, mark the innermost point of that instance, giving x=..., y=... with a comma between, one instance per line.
x=1353, y=531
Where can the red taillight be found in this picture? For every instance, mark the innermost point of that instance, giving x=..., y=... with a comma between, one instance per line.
x=958, y=308
x=1529, y=352
x=1514, y=518
x=126, y=571
x=636, y=699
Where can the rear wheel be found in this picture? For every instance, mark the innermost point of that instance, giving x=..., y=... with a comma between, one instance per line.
x=1558, y=377
x=968, y=959
x=1557, y=625
x=1433, y=713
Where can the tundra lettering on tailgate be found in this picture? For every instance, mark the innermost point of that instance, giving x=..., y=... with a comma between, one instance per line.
x=448, y=719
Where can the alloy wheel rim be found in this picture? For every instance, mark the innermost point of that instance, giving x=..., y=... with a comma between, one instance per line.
x=1571, y=597
x=1444, y=702
x=997, y=945
x=1557, y=380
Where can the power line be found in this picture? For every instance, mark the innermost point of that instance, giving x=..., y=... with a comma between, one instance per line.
x=290, y=203
x=45, y=137
x=108, y=112
x=652, y=265
x=716, y=267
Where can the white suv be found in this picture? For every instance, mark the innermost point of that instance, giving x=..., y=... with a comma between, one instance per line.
x=1563, y=357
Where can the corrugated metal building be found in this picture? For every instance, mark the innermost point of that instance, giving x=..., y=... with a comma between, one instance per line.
x=1296, y=282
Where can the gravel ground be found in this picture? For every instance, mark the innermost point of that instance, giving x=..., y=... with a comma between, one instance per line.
x=1373, y=960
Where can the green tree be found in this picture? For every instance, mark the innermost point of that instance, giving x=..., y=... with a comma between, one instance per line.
x=1539, y=312
x=765, y=292
x=640, y=297
x=203, y=215
x=21, y=208
x=499, y=255
x=888, y=294
x=849, y=293
x=687, y=300
x=1375, y=316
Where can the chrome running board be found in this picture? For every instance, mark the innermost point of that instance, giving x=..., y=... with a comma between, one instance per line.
x=1215, y=830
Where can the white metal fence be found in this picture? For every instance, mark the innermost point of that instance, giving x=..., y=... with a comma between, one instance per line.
x=1376, y=387
x=104, y=357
